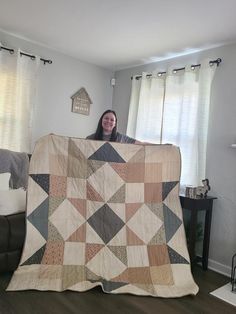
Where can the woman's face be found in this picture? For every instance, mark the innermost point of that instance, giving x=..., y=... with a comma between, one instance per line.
x=108, y=122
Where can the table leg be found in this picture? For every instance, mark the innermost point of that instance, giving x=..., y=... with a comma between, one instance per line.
x=206, y=239
x=192, y=235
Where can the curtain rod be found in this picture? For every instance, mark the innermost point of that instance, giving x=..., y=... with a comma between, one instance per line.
x=217, y=61
x=11, y=51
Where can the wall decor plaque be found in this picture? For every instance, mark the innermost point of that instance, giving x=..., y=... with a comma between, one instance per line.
x=81, y=102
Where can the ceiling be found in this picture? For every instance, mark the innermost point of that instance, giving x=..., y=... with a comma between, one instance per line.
x=117, y=34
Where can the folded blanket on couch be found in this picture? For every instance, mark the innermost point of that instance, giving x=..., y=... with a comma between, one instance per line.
x=108, y=214
x=17, y=164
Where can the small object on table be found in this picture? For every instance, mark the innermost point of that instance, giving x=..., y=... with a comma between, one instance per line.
x=198, y=191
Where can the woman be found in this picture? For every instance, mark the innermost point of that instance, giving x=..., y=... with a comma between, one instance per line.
x=107, y=130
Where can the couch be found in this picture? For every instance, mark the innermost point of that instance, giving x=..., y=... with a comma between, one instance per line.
x=12, y=220
x=12, y=229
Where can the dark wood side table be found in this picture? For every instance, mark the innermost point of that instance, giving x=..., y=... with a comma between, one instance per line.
x=195, y=205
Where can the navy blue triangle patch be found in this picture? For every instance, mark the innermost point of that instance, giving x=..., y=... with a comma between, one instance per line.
x=167, y=187
x=107, y=153
x=175, y=258
x=39, y=218
x=36, y=258
x=171, y=222
x=109, y=286
x=42, y=180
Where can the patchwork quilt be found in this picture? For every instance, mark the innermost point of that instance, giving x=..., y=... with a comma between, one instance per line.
x=107, y=214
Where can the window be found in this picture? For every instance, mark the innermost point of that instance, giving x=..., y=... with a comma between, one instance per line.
x=173, y=108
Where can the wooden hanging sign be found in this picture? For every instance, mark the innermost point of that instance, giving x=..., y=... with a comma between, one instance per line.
x=81, y=102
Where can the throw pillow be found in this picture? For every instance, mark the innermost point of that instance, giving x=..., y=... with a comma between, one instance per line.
x=12, y=201
x=4, y=181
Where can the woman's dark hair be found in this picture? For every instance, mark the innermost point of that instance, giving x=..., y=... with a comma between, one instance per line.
x=99, y=131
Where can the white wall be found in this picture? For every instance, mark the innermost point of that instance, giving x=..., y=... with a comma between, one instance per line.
x=57, y=82
x=221, y=159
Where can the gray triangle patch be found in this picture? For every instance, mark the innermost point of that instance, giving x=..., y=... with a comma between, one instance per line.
x=119, y=196
x=107, y=153
x=167, y=187
x=176, y=258
x=39, y=218
x=171, y=221
x=36, y=258
x=110, y=286
x=159, y=237
x=120, y=252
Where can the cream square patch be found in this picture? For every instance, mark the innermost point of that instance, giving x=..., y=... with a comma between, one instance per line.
x=137, y=256
x=74, y=253
x=76, y=188
x=134, y=193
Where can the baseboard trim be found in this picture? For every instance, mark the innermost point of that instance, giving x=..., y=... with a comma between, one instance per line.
x=219, y=268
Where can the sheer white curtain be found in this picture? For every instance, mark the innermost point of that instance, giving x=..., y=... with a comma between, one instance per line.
x=18, y=76
x=174, y=108
x=146, y=107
